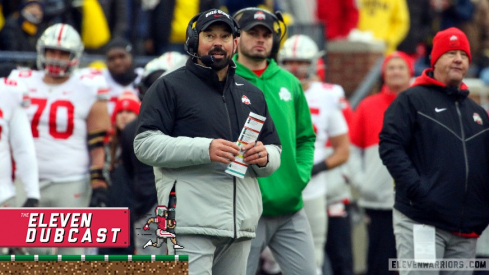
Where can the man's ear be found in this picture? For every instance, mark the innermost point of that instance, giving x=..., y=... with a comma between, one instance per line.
x=235, y=42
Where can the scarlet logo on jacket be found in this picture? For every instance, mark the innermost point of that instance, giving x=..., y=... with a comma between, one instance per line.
x=477, y=118
x=245, y=100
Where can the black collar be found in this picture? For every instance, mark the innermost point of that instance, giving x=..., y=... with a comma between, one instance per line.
x=208, y=75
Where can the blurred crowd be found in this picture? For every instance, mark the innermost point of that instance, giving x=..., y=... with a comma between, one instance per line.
x=155, y=27
x=124, y=29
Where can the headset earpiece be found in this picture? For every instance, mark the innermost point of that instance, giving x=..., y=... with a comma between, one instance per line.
x=192, y=41
x=280, y=34
x=277, y=34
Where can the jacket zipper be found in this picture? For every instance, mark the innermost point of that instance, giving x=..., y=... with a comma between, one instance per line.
x=466, y=164
x=234, y=178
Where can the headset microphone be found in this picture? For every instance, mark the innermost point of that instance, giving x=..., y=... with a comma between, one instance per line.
x=208, y=60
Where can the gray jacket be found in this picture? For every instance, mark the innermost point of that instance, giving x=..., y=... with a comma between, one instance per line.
x=175, y=138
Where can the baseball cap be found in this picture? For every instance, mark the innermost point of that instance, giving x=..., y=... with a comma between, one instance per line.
x=253, y=17
x=212, y=16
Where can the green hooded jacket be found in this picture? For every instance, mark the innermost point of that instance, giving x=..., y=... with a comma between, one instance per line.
x=282, y=191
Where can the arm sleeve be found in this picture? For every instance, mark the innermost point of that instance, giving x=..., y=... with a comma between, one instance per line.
x=159, y=150
x=395, y=137
x=355, y=162
x=24, y=152
x=274, y=152
x=357, y=132
x=355, y=167
x=337, y=124
x=305, y=137
x=153, y=144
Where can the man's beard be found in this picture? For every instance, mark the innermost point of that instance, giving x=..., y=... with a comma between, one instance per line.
x=256, y=57
x=221, y=63
x=125, y=78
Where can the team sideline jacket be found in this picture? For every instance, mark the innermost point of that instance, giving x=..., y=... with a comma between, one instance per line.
x=180, y=116
x=435, y=144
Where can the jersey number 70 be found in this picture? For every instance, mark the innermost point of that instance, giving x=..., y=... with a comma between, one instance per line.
x=53, y=110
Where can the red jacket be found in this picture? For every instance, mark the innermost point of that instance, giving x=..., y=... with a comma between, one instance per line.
x=372, y=179
x=339, y=17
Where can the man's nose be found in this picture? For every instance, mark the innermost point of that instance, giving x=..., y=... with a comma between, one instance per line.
x=261, y=38
x=458, y=56
x=219, y=41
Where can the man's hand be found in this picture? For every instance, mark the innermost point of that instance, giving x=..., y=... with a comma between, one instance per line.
x=146, y=227
x=99, y=197
x=255, y=153
x=223, y=151
x=319, y=167
x=31, y=203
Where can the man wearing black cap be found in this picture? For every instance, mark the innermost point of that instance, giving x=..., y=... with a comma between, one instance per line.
x=121, y=74
x=189, y=123
x=283, y=226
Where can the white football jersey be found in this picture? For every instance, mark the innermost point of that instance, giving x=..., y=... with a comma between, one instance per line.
x=15, y=137
x=116, y=89
x=58, y=116
x=328, y=121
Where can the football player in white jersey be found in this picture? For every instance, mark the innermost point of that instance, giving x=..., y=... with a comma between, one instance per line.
x=15, y=137
x=120, y=74
x=299, y=55
x=69, y=120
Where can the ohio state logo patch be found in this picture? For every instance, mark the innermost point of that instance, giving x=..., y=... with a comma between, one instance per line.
x=477, y=118
x=454, y=42
x=259, y=15
x=245, y=100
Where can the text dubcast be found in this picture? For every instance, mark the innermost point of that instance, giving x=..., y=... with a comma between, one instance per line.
x=70, y=227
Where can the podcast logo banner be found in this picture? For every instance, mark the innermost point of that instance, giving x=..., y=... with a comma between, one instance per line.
x=64, y=227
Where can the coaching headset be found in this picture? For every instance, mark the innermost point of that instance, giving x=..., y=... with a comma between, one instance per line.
x=192, y=41
x=277, y=33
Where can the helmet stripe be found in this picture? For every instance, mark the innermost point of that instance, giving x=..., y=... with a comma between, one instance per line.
x=60, y=34
x=169, y=59
x=294, y=47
